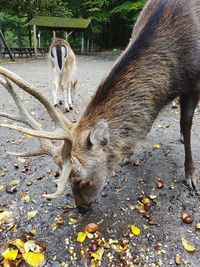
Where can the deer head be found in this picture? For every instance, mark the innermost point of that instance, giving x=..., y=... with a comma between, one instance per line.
x=81, y=156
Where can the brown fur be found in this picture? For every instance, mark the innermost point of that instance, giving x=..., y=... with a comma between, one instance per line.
x=160, y=63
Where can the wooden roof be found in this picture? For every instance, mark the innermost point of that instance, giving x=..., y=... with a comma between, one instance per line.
x=61, y=23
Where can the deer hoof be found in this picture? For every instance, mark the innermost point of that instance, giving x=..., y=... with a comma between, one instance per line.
x=60, y=102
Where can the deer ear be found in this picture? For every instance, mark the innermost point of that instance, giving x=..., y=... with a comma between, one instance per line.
x=99, y=135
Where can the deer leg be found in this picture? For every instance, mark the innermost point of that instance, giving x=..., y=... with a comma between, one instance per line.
x=69, y=90
x=55, y=95
x=64, y=89
x=188, y=104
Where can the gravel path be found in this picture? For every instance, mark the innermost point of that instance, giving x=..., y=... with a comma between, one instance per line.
x=115, y=210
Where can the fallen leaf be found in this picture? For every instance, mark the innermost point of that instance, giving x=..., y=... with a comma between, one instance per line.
x=34, y=259
x=98, y=255
x=156, y=146
x=2, y=187
x=25, y=197
x=135, y=230
x=18, y=243
x=197, y=226
x=31, y=214
x=163, y=126
x=59, y=219
x=89, y=235
x=10, y=254
x=32, y=246
x=187, y=245
x=29, y=136
x=81, y=237
x=14, y=182
x=6, y=217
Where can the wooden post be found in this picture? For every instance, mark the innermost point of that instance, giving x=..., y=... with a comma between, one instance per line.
x=88, y=45
x=7, y=47
x=82, y=43
x=35, y=40
x=54, y=35
x=39, y=39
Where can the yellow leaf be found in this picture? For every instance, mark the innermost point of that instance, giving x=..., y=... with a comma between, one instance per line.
x=135, y=230
x=5, y=216
x=33, y=231
x=1, y=187
x=31, y=214
x=197, y=226
x=156, y=146
x=34, y=259
x=10, y=254
x=14, y=182
x=25, y=197
x=98, y=255
x=81, y=237
x=187, y=245
x=120, y=248
x=19, y=244
x=163, y=126
x=145, y=227
x=29, y=136
x=89, y=235
x=146, y=200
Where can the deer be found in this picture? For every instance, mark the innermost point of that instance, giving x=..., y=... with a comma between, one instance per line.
x=62, y=65
x=160, y=63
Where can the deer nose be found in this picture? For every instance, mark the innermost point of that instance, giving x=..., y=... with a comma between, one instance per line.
x=84, y=208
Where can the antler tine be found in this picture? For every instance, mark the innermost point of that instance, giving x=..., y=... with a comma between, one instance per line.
x=57, y=134
x=66, y=169
x=11, y=117
x=61, y=154
x=58, y=118
x=61, y=182
x=46, y=146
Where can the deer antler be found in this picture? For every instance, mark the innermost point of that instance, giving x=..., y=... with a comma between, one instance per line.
x=61, y=132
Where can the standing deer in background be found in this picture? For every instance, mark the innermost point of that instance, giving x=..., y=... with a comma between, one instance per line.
x=62, y=65
x=161, y=62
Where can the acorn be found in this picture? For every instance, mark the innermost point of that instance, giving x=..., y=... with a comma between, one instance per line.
x=159, y=183
x=186, y=218
x=91, y=227
x=147, y=206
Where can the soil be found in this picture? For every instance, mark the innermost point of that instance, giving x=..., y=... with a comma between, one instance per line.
x=115, y=210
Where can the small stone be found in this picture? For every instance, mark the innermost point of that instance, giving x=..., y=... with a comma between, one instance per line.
x=56, y=174
x=11, y=189
x=136, y=163
x=29, y=183
x=16, y=166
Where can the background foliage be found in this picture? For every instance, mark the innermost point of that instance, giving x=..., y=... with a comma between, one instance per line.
x=112, y=21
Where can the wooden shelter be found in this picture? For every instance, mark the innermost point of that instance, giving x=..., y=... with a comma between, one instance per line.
x=54, y=24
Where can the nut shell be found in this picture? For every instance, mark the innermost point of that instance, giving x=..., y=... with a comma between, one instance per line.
x=91, y=228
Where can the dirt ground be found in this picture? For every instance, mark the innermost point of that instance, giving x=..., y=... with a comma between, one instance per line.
x=161, y=228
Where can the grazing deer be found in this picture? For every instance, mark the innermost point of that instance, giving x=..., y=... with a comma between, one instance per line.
x=62, y=65
x=160, y=63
